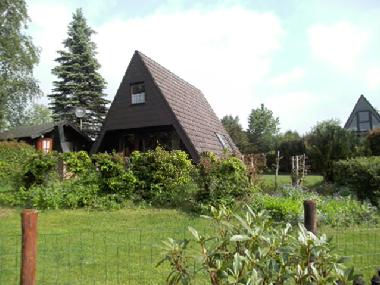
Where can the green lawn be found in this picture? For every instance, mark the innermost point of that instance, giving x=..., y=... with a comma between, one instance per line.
x=122, y=247
x=310, y=180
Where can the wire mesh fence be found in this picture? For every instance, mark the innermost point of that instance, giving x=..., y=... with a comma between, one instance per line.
x=130, y=256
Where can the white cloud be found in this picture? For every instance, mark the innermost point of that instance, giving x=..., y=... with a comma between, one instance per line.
x=295, y=74
x=295, y=109
x=340, y=44
x=224, y=52
x=373, y=79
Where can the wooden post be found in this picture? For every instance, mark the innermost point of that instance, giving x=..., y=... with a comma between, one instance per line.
x=277, y=169
x=310, y=215
x=29, y=247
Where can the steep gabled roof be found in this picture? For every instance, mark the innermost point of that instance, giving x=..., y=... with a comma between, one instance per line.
x=362, y=105
x=194, y=119
x=36, y=131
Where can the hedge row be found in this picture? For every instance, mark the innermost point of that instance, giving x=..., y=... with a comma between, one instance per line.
x=362, y=175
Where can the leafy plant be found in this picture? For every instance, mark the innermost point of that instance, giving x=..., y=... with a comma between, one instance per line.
x=250, y=250
x=162, y=176
x=78, y=163
x=221, y=180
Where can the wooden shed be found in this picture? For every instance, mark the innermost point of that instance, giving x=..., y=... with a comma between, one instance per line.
x=59, y=136
x=154, y=106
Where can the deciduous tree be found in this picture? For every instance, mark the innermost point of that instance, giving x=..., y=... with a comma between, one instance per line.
x=18, y=56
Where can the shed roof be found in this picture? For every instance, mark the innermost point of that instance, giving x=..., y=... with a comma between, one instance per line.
x=36, y=131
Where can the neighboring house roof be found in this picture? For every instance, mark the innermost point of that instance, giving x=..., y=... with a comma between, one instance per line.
x=36, y=131
x=193, y=114
x=361, y=105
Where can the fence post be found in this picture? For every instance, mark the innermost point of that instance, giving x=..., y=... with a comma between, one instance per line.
x=29, y=247
x=310, y=215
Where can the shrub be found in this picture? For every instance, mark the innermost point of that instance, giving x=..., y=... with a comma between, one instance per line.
x=39, y=168
x=327, y=142
x=373, y=139
x=250, y=250
x=162, y=176
x=112, y=174
x=12, y=159
x=362, y=175
x=78, y=163
x=221, y=180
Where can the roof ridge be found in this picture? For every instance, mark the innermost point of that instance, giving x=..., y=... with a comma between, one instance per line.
x=143, y=56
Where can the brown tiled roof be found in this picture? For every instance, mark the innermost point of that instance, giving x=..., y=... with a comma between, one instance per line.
x=190, y=107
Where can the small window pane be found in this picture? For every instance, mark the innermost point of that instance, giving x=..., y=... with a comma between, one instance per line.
x=223, y=141
x=138, y=93
x=364, y=127
x=138, y=98
x=363, y=116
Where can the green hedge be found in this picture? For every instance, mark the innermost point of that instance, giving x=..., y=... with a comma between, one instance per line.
x=12, y=159
x=362, y=175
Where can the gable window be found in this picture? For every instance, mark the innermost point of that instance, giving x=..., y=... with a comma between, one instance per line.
x=364, y=121
x=223, y=141
x=138, y=93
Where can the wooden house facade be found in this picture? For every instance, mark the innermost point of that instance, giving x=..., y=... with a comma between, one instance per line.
x=154, y=106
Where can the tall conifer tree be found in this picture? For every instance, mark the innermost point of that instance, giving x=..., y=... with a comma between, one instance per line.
x=79, y=83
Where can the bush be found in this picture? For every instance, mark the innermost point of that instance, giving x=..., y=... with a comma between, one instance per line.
x=12, y=159
x=78, y=163
x=163, y=177
x=39, y=168
x=112, y=174
x=373, y=139
x=250, y=250
x=327, y=142
x=362, y=175
x=221, y=180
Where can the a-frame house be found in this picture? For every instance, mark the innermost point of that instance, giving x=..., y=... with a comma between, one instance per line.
x=364, y=117
x=154, y=106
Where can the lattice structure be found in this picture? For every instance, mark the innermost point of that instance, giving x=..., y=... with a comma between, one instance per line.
x=299, y=169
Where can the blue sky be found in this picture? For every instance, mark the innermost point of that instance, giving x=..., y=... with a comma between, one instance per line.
x=307, y=61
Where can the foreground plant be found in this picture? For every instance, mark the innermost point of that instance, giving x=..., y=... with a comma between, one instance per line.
x=251, y=250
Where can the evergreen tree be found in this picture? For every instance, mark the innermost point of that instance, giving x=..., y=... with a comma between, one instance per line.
x=79, y=83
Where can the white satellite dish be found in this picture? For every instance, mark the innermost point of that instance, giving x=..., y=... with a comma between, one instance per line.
x=80, y=112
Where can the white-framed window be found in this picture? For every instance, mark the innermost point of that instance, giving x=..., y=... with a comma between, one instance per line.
x=138, y=93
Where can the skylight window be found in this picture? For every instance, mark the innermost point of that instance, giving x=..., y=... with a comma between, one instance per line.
x=223, y=141
x=138, y=93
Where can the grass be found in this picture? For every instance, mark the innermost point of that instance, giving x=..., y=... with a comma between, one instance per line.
x=123, y=247
x=311, y=181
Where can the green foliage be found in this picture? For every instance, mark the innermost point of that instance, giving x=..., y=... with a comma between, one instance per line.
x=327, y=142
x=113, y=176
x=362, y=175
x=37, y=114
x=262, y=128
x=12, y=159
x=18, y=56
x=79, y=82
x=221, y=180
x=39, y=168
x=289, y=144
x=373, y=139
x=78, y=163
x=236, y=132
x=163, y=176
x=287, y=205
x=250, y=250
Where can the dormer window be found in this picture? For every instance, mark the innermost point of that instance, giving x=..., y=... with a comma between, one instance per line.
x=138, y=93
